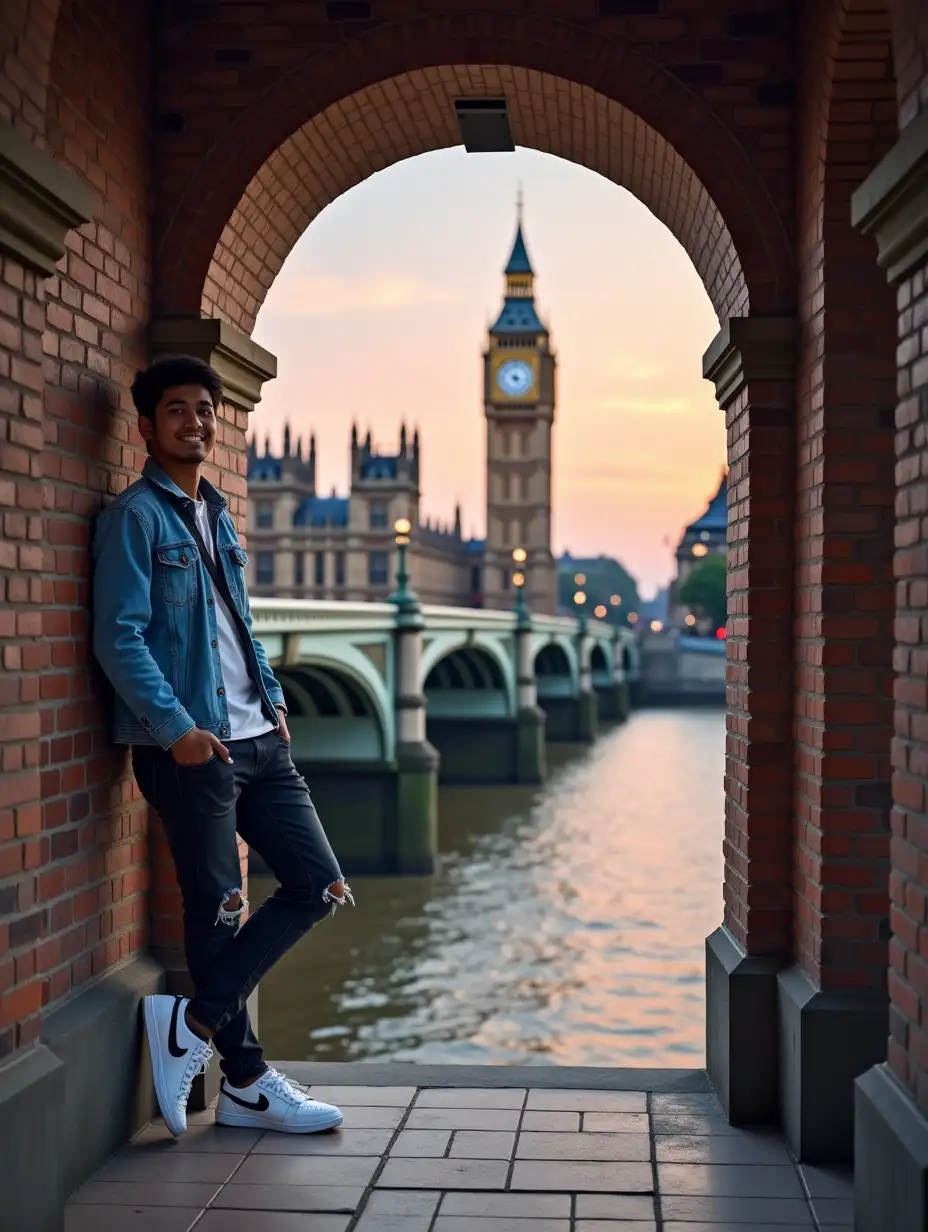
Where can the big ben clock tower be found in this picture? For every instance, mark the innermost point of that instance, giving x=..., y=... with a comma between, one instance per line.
x=519, y=399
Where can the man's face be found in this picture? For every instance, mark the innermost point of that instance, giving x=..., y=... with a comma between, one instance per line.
x=184, y=426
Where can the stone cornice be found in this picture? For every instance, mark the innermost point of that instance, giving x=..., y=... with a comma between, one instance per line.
x=750, y=349
x=40, y=202
x=243, y=366
x=892, y=203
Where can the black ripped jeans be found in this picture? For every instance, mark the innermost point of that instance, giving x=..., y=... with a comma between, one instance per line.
x=262, y=797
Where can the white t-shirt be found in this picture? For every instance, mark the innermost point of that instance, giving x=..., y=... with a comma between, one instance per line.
x=243, y=701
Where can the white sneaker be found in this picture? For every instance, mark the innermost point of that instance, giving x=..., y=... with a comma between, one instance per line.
x=273, y=1102
x=177, y=1056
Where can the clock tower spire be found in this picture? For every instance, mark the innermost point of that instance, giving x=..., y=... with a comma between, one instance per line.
x=519, y=400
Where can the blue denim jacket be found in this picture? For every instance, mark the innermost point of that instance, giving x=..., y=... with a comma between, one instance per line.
x=154, y=617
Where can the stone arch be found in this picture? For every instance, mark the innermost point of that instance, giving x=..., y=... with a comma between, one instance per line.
x=600, y=661
x=385, y=95
x=553, y=661
x=332, y=708
x=474, y=670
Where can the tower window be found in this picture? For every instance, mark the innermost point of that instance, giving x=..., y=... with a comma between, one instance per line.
x=339, y=568
x=298, y=569
x=264, y=515
x=377, y=568
x=506, y=580
x=378, y=516
x=264, y=568
x=319, y=569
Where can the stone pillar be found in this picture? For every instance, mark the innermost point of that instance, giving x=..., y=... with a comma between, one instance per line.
x=587, y=705
x=891, y=1102
x=620, y=688
x=530, y=718
x=416, y=760
x=243, y=367
x=752, y=365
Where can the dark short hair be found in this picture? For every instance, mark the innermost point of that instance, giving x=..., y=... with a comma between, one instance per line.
x=150, y=383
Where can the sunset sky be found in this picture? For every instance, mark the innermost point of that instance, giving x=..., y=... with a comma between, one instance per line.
x=380, y=315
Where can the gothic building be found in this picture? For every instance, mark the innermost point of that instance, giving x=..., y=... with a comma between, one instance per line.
x=305, y=545
x=707, y=536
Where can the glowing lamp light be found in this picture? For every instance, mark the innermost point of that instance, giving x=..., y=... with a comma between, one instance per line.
x=519, y=555
x=518, y=580
x=690, y=620
x=579, y=579
x=720, y=634
x=579, y=597
x=599, y=611
x=700, y=549
x=656, y=626
x=615, y=600
x=401, y=529
x=632, y=617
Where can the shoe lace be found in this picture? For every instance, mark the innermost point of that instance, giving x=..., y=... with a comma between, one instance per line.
x=200, y=1056
x=279, y=1084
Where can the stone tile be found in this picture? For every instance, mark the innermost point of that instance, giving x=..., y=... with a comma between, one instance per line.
x=696, y=1103
x=742, y=1213
x=632, y=1226
x=722, y=1149
x=827, y=1182
x=210, y=1137
x=467, y=1223
x=421, y=1143
x=342, y=1198
x=558, y=1122
x=482, y=1144
x=341, y=1142
x=365, y=1097
x=271, y=1221
x=373, y=1118
x=691, y=1123
x=443, y=1174
x=639, y=1207
x=463, y=1118
x=393, y=1223
x=675, y=1226
x=145, y=1193
x=135, y=1163
x=573, y=1176
x=471, y=1097
x=832, y=1211
x=542, y=1100
x=613, y=1123
x=130, y=1218
x=623, y=1147
x=305, y=1170
x=411, y=1202
x=507, y=1205
x=728, y=1180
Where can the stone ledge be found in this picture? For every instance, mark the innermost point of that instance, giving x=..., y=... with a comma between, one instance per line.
x=891, y=1156
x=750, y=349
x=827, y=1040
x=243, y=366
x=892, y=203
x=40, y=202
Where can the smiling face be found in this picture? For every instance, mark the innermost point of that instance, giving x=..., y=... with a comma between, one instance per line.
x=183, y=430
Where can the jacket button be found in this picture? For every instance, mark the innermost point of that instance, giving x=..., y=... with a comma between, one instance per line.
x=209, y=603
x=221, y=692
x=214, y=643
x=183, y=560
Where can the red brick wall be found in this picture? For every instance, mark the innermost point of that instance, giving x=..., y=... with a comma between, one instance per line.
x=844, y=507
x=908, y=977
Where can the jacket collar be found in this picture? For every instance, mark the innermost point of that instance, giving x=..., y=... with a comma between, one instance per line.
x=154, y=474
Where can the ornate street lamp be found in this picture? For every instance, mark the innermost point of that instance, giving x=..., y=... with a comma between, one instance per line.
x=404, y=597
x=580, y=604
x=519, y=557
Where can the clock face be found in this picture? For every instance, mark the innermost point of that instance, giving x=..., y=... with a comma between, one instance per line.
x=515, y=377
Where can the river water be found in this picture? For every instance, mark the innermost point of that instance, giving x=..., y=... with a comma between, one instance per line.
x=565, y=926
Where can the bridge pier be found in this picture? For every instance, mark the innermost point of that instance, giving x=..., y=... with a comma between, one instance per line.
x=417, y=761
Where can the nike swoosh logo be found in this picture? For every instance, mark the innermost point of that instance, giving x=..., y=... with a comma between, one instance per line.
x=173, y=1047
x=261, y=1106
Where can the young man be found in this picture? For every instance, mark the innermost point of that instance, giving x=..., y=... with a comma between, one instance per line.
x=199, y=704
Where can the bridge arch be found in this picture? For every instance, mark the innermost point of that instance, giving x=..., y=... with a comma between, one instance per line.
x=601, y=664
x=470, y=680
x=557, y=668
x=334, y=715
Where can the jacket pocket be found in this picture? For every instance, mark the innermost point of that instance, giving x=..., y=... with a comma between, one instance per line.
x=177, y=565
x=237, y=559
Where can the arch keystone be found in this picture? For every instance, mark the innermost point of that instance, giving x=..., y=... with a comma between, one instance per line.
x=243, y=366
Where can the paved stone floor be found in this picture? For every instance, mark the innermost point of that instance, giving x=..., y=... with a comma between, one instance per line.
x=525, y=1159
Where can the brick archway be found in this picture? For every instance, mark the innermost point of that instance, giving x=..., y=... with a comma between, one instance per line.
x=552, y=67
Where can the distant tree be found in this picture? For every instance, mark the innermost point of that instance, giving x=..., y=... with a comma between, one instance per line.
x=605, y=577
x=704, y=590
